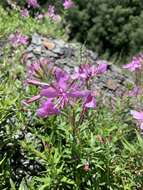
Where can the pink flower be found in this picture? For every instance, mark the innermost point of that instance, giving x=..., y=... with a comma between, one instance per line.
x=86, y=167
x=18, y=39
x=33, y=3
x=36, y=83
x=39, y=69
x=90, y=102
x=86, y=71
x=33, y=99
x=56, y=18
x=34, y=70
x=102, y=67
x=68, y=4
x=24, y=13
x=51, y=10
x=47, y=109
x=39, y=17
x=135, y=64
x=135, y=91
x=138, y=116
x=51, y=13
x=62, y=92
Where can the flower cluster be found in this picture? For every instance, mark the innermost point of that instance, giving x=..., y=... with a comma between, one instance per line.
x=33, y=3
x=39, y=17
x=51, y=13
x=136, y=63
x=68, y=4
x=135, y=91
x=65, y=89
x=87, y=71
x=40, y=69
x=24, y=13
x=18, y=39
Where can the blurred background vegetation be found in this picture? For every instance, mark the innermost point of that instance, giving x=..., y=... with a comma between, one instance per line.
x=112, y=28
x=11, y=21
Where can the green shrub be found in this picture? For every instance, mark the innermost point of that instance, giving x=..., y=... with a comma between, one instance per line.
x=114, y=27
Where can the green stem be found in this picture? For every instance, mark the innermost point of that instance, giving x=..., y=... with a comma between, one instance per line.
x=138, y=78
x=75, y=153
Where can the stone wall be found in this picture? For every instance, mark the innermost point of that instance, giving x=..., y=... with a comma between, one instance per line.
x=69, y=55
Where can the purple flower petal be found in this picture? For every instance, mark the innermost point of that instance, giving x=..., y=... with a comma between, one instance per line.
x=135, y=64
x=135, y=91
x=90, y=102
x=68, y=4
x=51, y=13
x=18, y=39
x=33, y=3
x=24, y=13
x=102, y=67
x=35, y=82
x=47, y=109
x=49, y=92
x=84, y=72
x=33, y=99
x=137, y=115
x=61, y=75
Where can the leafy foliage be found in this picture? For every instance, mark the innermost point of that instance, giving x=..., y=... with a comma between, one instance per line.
x=108, y=26
x=106, y=155
x=12, y=21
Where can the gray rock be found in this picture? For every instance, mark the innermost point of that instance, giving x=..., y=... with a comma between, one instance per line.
x=92, y=55
x=48, y=53
x=30, y=55
x=59, y=43
x=69, y=55
x=37, y=50
x=36, y=39
x=68, y=52
x=58, y=50
x=30, y=48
